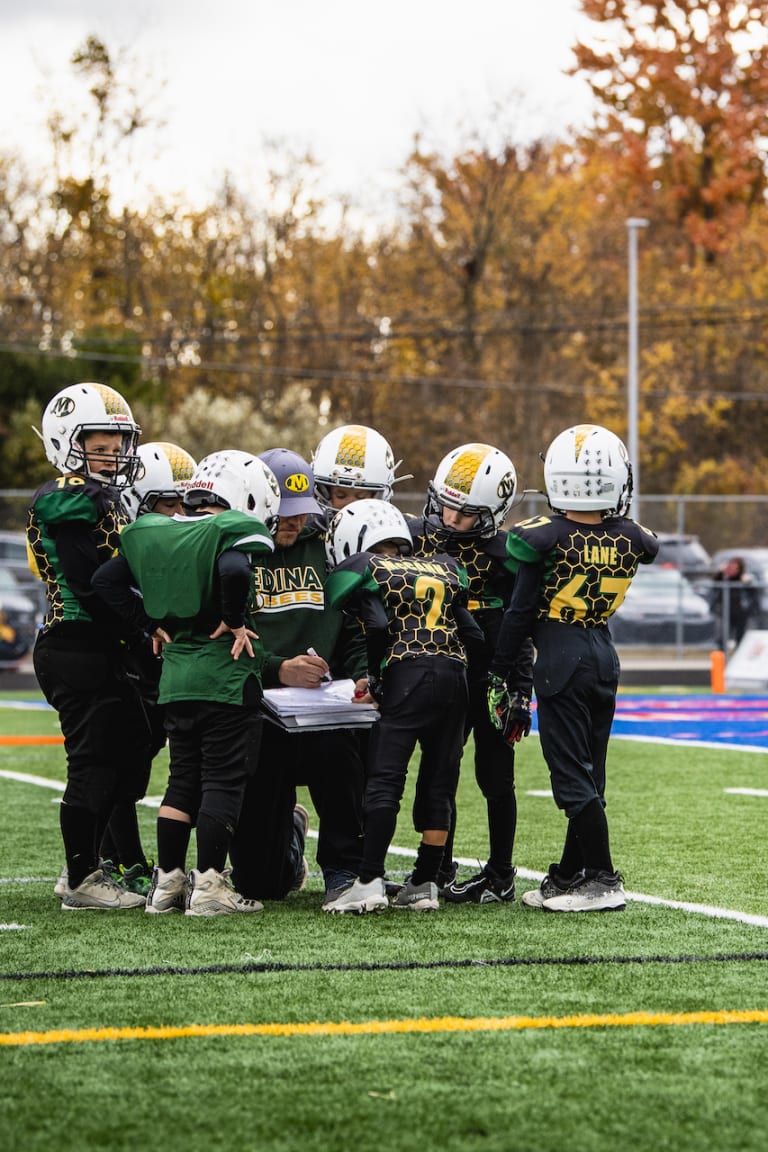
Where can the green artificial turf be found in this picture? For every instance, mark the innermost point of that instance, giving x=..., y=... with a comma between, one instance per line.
x=676, y=835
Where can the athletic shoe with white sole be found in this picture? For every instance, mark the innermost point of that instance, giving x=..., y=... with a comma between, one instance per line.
x=417, y=897
x=551, y=885
x=360, y=898
x=100, y=890
x=445, y=878
x=301, y=825
x=62, y=883
x=487, y=887
x=210, y=893
x=333, y=894
x=167, y=892
x=603, y=892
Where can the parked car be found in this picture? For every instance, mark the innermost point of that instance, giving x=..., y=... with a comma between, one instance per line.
x=656, y=599
x=756, y=564
x=687, y=554
x=13, y=555
x=18, y=620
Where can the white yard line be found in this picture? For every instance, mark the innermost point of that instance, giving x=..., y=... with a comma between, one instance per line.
x=678, y=743
x=27, y=705
x=58, y=785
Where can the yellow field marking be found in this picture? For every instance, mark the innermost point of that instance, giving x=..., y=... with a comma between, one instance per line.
x=382, y=1027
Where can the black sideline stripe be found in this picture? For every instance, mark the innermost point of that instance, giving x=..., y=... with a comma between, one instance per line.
x=389, y=966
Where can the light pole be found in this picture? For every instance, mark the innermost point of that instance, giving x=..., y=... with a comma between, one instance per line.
x=634, y=223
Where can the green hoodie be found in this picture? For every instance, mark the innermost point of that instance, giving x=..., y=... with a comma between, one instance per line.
x=293, y=614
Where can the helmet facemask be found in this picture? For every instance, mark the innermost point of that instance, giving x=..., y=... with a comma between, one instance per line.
x=111, y=470
x=483, y=528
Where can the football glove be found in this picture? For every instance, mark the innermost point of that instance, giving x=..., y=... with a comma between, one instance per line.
x=510, y=712
x=516, y=721
x=375, y=688
x=498, y=699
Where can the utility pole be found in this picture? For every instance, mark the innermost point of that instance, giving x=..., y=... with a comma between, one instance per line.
x=634, y=224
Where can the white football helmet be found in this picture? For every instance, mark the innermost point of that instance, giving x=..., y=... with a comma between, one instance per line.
x=476, y=480
x=361, y=526
x=587, y=469
x=354, y=456
x=163, y=473
x=235, y=480
x=83, y=408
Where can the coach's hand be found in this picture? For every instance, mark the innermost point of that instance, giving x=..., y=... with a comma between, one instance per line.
x=242, y=641
x=303, y=671
x=159, y=639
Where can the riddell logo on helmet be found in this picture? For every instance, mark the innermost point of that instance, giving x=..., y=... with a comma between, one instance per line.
x=298, y=482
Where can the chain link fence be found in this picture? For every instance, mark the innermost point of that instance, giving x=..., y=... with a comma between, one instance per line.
x=718, y=521
x=738, y=524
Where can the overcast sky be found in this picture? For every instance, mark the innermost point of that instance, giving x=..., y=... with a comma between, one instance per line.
x=351, y=80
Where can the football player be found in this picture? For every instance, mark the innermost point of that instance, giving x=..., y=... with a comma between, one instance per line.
x=161, y=478
x=416, y=625
x=573, y=570
x=468, y=500
x=90, y=437
x=194, y=574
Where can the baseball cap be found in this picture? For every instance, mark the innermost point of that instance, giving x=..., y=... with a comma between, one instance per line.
x=296, y=480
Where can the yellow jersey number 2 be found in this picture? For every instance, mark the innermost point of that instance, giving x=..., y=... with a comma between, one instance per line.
x=427, y=587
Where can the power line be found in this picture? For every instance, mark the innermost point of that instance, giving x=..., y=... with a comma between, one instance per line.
x=656, y=319
x=330, y=375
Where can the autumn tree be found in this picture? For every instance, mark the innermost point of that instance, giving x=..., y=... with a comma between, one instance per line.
x=682, y=98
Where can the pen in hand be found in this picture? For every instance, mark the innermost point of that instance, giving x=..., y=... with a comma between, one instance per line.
x=326, y=678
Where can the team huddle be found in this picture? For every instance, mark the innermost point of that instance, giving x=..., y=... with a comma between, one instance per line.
x=179, y=591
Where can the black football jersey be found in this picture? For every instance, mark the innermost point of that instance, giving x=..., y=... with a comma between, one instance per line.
x=489, y=569
x=587, y=568
x=418, y=596
x=71, y=501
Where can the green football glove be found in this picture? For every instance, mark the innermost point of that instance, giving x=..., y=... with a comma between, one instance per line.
x=498, y=700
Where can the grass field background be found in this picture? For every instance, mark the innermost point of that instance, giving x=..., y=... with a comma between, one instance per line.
x=495, y=1028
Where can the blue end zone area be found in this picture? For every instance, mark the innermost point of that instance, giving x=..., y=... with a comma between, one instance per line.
x=738, y=721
